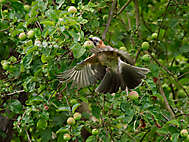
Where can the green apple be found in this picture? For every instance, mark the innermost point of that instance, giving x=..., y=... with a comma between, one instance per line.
x=30, y=34
x=133, y=95
x=5, y=64
x=71, y=121
x=72, y=9
x=146, y=58
x=181, y=93
x=26, y=7
x=22, y=36
x=67, y=137
x=73, y=101
x=184, y=132
x=94, y=131
x=145, y=45
x=77, y=116
x=154, y=36
x=2, y=1
x=123, y=48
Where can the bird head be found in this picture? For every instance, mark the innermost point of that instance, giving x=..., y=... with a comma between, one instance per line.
x=97, y=41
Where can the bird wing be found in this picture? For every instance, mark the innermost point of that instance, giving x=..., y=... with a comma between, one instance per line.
x=131, y=75
x=85, y=73
x=122, y=54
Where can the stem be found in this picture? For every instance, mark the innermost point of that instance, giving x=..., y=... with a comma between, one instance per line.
x=109, y=19
x=165, y=99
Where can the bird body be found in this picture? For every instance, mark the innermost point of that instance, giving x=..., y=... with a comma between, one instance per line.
x=114, y=68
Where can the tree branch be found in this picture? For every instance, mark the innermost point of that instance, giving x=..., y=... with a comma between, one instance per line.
x=122, y=8
x=165, y=99
x=137, y=17
x=169, y=73
x=109, y=19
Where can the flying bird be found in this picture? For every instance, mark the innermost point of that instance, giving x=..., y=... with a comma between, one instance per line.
x=113, y=68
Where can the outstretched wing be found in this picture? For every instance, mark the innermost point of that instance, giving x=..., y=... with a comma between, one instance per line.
x=85, y=73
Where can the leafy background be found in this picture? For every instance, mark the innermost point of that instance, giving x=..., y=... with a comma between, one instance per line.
x=34, y=106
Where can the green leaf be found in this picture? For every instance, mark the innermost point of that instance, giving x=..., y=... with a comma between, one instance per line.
x=78, y=50
x=91, y=139
x=15, y=106
x=75, y=107
x=35, y=100
x=41, y=124
x=63, y=109
x=175, y=137
x=62, y=130
x=48, y=23
x=43, y=58
x=173, y=122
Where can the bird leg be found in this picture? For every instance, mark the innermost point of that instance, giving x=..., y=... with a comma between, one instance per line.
x=126, y=90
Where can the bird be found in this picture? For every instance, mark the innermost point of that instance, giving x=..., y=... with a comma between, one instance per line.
x=111, y=67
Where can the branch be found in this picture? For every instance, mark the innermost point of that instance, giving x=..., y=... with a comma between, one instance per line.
x=28, y=136
x=165, y=99
x=123, y=7
x=129, y=23
x=137, y=17
x=137, y=54
x=169, y=73
x=109, y=19
x=15, y=92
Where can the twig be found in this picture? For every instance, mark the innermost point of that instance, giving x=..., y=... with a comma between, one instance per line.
x=137, y=17
x=129, y=23
x=122, y=8
x=137, y=54
x=10, y=94
x=39, y=25
x=145, y=135
x=109, y=19
x=29, y=139
x=163, y=19
x=180, y=76
x=165, y=99
x=170, y=73
x=144, y=22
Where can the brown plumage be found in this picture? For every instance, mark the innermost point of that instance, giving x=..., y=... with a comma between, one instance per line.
x=113, y=67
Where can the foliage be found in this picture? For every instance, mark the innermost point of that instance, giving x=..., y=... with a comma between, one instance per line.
x=37, y=105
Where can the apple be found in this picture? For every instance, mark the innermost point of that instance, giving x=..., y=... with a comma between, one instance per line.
x=67, y=137
x=145, y=45
x=2, y=1
x=181, y=93
x=5, y=64
x=26, y=7
x=30, y=34
x=123, y=48
x=133, y=95
x=94, y=131
x=22, y=36
x=72, y=9
x=146, y=58
x=184, y=133
x=77, y=116
x=37, y=43
x=154, y=36
x=71, y=121
x=88, y=43
x=73, y=101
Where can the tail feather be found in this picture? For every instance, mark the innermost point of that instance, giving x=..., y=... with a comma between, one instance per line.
x=110, y=83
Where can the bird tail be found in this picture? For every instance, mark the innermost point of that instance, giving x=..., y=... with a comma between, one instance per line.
x=110, y=83
x=131, y=75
